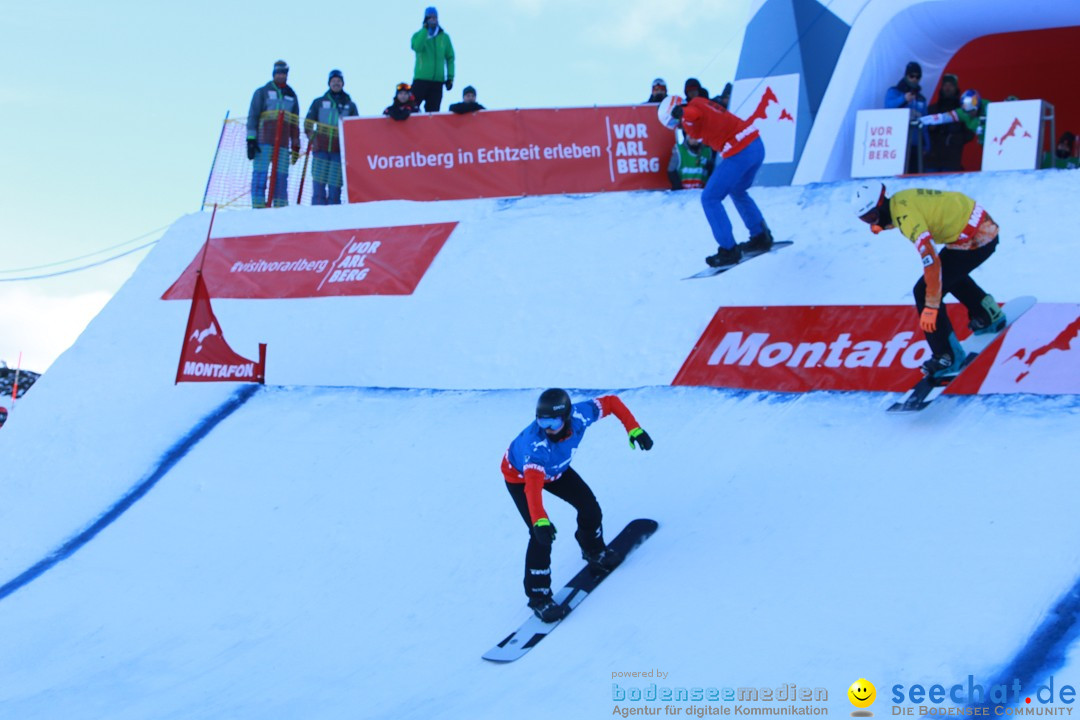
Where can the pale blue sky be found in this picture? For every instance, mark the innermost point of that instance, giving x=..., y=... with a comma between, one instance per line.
x=112, y=110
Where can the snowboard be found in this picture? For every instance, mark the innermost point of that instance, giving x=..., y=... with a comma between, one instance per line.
x=533, y=630
x=929, y=388
x=712, y=271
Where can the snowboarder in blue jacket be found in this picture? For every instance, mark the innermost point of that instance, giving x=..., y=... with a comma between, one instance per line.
x=539, y=459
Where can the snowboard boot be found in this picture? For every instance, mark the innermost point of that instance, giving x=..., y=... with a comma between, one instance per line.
x=946, y=363
x=546, y=608
x=758, y=244
x=603, y=561
x=725, y=257
x=992, y=320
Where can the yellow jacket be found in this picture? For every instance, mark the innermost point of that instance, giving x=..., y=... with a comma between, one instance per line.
x=947, y=218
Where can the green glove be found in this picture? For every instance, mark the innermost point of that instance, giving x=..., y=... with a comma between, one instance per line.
x=543, y=531
x=639, y=436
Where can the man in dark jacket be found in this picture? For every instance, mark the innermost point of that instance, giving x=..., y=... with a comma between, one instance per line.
x=659, y=91
x=947, y=141
x=692, y=89
x=468, y=102
x=267, y=103
x=434, y=62
x=322, y=129
x=908, y=94
x=404, y=103
x=724, y=98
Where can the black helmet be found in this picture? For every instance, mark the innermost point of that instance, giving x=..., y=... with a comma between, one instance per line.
x=554, y=403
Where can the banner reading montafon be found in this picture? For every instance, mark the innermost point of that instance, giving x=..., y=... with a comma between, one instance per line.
x=206, y=356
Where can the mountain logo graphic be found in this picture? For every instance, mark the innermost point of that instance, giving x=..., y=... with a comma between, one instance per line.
x=1015, y=127
x=199, y=336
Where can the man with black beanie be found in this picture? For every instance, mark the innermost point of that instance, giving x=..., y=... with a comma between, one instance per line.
x=468, y=102
x=270, y=100
x=322, y=129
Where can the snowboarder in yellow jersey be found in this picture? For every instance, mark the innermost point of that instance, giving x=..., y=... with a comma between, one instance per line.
x=968, y=235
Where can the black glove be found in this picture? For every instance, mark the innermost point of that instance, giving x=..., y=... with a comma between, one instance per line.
x=543, y=532
x=676, y=112
x=253, y=148
x=639, y=436
x=295, y=156
x=450, y=84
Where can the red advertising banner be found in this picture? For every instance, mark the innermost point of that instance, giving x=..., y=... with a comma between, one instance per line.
x=367, y=261
x=797, y=349
x=501, y=153
x=1039, y=355
x=877, y=348
x=206, y=356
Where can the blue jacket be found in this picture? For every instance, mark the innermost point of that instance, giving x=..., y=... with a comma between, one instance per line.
x=894, y=98
x=532, y=446
x=534, y=459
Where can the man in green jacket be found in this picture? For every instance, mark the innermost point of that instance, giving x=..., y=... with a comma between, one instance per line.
x=434, y=62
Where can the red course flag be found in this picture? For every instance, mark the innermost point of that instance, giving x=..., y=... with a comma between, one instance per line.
x=206, y=356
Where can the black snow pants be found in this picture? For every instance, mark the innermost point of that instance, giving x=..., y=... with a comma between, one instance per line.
x=590, y=533
x=956, y=267
x=428, y=92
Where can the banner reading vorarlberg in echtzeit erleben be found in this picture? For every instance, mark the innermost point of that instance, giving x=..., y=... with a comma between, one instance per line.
x=504, y=153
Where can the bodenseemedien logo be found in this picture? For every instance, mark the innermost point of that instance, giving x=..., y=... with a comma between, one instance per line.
x=862, y=694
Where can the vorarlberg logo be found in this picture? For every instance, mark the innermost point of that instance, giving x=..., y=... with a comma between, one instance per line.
x=971, y=699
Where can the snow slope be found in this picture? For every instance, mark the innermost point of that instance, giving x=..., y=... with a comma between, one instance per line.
x=338, y=543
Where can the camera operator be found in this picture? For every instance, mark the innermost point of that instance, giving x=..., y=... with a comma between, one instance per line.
x=908, y=94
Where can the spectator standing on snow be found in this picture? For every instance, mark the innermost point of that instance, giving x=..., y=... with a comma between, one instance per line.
x=322, y=129
x=267, y=103
x=434, y=62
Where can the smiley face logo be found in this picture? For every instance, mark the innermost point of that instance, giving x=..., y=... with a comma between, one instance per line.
x=862, y=693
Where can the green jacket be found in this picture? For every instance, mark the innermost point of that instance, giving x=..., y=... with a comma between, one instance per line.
x=434, y=56
x=976, y=121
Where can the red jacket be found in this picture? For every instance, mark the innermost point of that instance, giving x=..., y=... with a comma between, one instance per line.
x=724, y=132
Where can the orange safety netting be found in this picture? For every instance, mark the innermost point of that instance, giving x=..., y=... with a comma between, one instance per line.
x=234, y=178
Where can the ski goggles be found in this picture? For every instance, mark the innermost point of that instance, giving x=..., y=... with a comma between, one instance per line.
x=871, y=217
x=550, y=423
x=403, y=87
